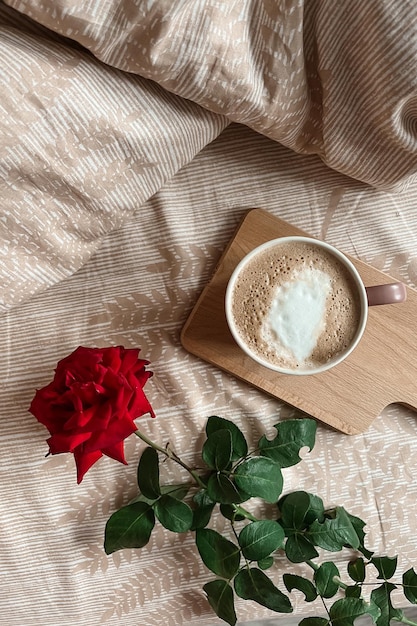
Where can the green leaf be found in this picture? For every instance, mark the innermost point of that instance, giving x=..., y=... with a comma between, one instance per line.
x=356, y=570
x=323, y=577
x=359, y=525
x=410, y=585
x=292, y=581
x=299, y=549
x=221, y=599
x=232, y=513
x=292, y=436
x=259, y=539
x=334, y=533
x=385, y=565
x=222, y=489
x=239, y=445
x=381, y=596
x=148, y=474
x=204, y=508
x=266, y=563
x=353, y=591
x=299, y=509
x=129, y=527
x=217, y=450
x=344, y=611
x=220, y=555
x=260, y=477
x=253, y=584
x=173, y=514
x=314, y=621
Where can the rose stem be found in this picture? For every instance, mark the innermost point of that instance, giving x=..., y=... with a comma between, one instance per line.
x=171, y=455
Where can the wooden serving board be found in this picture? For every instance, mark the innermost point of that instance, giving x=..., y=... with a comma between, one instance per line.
x=382, y=370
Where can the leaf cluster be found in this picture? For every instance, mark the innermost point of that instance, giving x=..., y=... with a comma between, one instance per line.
x=300, y=527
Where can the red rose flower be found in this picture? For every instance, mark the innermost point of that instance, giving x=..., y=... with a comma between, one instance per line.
x=90, y=406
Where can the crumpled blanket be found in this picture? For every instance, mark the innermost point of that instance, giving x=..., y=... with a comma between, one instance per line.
x=103, y=102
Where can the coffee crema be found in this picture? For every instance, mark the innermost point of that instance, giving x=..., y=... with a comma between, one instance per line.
x=296, y=306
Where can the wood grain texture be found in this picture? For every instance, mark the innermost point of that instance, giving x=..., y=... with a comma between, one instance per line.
x=380, y=371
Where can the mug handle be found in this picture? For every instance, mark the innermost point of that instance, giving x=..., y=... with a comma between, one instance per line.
x=386, y=294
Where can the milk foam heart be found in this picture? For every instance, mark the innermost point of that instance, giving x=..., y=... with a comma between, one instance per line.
x=297, y=314
x=296, y=306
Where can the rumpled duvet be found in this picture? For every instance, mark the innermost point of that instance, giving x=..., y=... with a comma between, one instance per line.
x=109, y=100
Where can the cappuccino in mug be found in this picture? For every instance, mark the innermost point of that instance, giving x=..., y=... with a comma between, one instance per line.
x=295, y=306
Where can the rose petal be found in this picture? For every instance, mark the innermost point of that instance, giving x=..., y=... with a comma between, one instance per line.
x=84, y=460
x=116, y=452
x=140, y=405
x=118, y=430
x=60, y=442
x=121, y=401
x=51, y=413
x=113, y=380
x=129, y=359
x=88, y=393
x=101, y=417
x=112, y=358
x=79, y=420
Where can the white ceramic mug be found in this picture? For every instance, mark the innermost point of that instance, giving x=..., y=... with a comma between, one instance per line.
x=314, y=286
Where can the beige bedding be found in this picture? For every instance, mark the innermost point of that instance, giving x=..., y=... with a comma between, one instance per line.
x=118, y=198
x=335, y=79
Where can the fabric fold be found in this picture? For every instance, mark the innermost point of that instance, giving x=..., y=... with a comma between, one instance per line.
x=321, y=77
x=83, y=146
